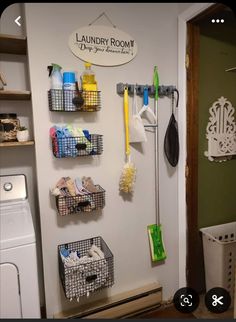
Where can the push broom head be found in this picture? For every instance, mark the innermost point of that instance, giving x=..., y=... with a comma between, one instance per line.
x=156, y=243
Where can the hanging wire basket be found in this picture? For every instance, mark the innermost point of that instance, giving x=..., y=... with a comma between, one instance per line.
x=88, y=202
x=74, y=101
x=77, y=146
x=82, y=279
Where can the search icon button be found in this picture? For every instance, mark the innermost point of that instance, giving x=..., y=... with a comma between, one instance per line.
x=186, y=300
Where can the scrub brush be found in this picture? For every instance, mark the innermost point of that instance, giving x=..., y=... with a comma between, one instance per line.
x=128, y=175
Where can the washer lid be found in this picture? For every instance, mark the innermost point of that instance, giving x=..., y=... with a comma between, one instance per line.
x=16, y=225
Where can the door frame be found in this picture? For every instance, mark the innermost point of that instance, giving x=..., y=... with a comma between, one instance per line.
x=183, y=19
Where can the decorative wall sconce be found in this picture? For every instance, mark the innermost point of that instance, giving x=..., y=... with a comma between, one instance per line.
x=221, y=131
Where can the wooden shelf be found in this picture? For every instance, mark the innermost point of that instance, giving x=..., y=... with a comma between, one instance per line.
x=16, y=143
x=14, y=95
x=10, y=44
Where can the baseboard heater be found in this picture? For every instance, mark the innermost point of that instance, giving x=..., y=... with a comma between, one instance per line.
x=119, y=306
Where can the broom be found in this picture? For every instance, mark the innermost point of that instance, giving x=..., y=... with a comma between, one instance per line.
x=128, y=175
x=155, y=230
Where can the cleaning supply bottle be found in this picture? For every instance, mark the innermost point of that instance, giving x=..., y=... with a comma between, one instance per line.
x=69, y=88
x=89, y=87
x=56, y=86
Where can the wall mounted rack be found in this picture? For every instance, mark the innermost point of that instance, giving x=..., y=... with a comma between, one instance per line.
x=162, y=90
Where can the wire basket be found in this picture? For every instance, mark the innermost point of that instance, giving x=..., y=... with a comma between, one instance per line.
x=69, y=101
x=84, y=278
x=77, y=146
x=67, y=205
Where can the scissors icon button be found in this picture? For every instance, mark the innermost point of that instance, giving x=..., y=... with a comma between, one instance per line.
x=217, y=300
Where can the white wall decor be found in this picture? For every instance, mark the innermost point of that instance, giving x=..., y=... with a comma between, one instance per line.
x=102, y=45
x=221, y=131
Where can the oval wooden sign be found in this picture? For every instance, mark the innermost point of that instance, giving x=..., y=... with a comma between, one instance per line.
x=102, y=45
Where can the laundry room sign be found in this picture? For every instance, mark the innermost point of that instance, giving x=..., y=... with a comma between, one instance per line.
x=102, y=45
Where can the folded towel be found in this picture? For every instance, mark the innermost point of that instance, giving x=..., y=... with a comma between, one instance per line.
x=56, y=192
x=82, y=136
x=88, y=184
x=79, y=188
x=62, y=186
x=70, y=186
x=96, y=252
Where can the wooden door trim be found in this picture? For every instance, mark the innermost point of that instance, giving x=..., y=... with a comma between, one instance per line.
x=208, y=12
x=192, y=260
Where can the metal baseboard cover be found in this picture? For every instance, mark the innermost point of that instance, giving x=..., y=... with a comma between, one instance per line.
x=118, y=306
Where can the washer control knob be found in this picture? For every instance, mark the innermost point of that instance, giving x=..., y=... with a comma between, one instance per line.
x=8, y=186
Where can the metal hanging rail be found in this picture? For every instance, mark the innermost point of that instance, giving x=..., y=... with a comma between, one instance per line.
x=162, y=90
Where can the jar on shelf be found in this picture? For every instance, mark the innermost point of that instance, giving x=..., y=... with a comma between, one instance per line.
x=1, y=132
x=11, y=124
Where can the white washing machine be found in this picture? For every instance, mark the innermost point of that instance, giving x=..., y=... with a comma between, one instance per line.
x=19, y=290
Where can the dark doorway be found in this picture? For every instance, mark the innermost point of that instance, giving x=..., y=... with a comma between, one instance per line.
x=195, y=263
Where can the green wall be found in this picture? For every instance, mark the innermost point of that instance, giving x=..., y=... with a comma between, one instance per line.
x=216, y=181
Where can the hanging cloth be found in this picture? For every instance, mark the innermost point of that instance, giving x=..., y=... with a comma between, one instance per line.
x=171, y=140
x=136, y=127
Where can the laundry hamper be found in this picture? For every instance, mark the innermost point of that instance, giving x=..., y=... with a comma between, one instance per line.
x=219, y=246
x=85, y=278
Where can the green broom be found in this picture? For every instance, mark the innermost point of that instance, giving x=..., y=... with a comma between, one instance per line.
x=155, y=230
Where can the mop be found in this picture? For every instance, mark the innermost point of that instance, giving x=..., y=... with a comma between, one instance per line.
x=128, y=175
x=155, y=230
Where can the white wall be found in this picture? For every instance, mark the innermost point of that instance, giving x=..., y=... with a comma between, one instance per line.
x=184, y=6
x=20, y=160
x=123, y=223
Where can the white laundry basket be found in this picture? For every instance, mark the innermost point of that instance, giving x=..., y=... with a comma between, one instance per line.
x=219, y=246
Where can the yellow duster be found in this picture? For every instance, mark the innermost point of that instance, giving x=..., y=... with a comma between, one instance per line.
x=128, y=175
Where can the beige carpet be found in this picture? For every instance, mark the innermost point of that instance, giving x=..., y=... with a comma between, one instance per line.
x=202, y=312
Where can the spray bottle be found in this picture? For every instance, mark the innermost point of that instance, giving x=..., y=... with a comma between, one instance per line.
x=56, y=87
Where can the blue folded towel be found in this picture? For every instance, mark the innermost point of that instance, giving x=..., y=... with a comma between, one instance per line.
x=65, y=252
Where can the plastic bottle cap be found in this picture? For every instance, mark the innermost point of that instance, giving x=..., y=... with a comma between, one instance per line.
x=87, y=64
x=68, y=77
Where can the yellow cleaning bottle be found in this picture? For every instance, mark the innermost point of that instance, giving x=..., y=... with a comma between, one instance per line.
x=89, y=87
